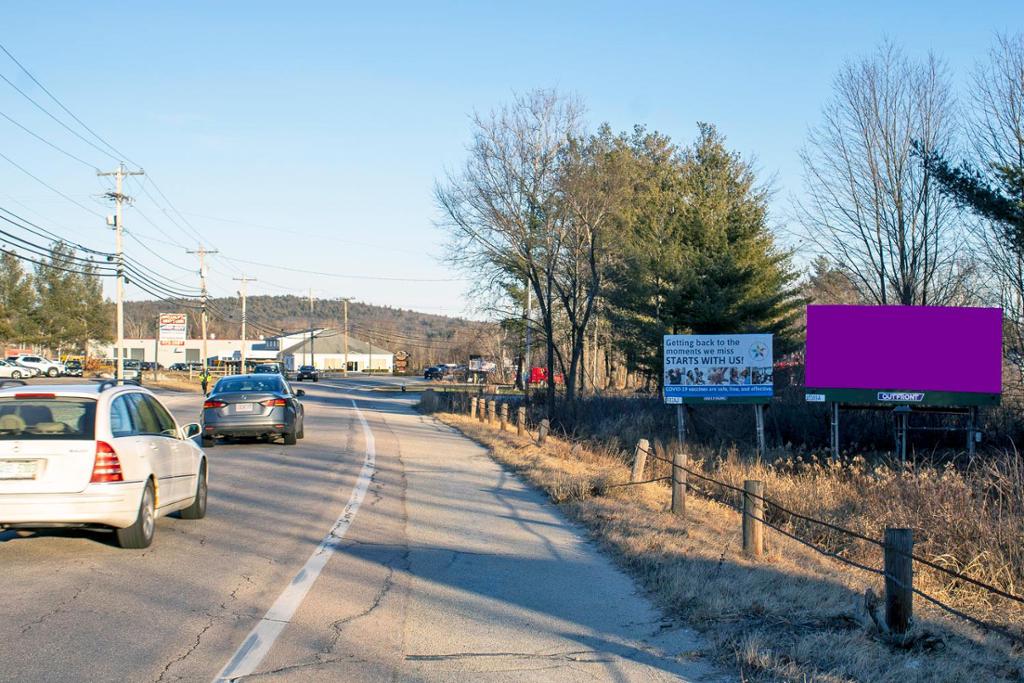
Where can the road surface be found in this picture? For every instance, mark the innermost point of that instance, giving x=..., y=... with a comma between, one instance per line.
x=383, y=546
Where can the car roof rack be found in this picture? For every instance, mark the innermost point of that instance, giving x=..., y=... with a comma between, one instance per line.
x=110, y=383
x=15, y=382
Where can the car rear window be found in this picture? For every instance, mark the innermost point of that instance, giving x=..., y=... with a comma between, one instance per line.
x=44, y=419
x=244, y=384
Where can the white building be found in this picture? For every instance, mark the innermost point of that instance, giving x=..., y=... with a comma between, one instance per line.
x=327, y=352
x=190, y=351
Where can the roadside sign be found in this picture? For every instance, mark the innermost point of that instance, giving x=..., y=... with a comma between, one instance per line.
x=173, y=329
x=729, y=368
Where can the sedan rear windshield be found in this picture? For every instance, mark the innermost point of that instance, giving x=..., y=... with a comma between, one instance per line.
x=235, y=384
x=43, y=419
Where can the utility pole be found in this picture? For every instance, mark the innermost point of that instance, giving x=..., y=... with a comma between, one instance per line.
x=344, y=373
x=242, y=293
x=119, y=199
x=202, y=253
x=527, y=368
x=312, y=335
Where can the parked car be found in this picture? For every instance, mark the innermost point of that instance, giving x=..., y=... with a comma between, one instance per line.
x=265, y=368
x=45, y=366
x=307, y=372
x=132, y=370
x=261, y=405
x=74, y=368
x=540, y=376
x=434, y=372
x=9, y=370
x=104, y=455
x=178, y=367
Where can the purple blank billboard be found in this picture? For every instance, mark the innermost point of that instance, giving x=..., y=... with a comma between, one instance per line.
x=918, y=348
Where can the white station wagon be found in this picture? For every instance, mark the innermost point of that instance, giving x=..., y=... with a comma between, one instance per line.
x=102, y=455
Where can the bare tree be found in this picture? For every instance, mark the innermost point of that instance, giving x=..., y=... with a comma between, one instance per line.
x=872, y=207
x=504, y=208
x=995, y=132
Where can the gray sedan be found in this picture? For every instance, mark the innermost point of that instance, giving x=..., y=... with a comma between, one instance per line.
x=257, y=405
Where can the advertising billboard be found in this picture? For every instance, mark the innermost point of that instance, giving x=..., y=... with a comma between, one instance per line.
x=734, y=368
x=173, y=329
x=926, y=355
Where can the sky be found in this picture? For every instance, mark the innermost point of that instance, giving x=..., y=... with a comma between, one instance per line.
x=309, y=135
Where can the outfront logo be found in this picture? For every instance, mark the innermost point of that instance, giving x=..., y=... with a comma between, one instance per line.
x=900, y=396
x=758, y=351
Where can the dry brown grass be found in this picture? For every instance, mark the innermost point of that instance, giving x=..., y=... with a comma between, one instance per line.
x=794, y=614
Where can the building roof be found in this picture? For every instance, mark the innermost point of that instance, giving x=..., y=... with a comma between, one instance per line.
x=333, y=342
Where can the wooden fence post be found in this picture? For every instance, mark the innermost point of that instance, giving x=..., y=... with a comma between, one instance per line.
x=504, y=416
x=491, y=412
x=679, y=482
x=753, y=514
x=542, y=431
x=481, y=409
x=521, y=420
x=639, y=460
x=472, y=407
x=899, y=579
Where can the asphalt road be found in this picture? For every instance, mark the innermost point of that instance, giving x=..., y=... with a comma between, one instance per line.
x=383, y=546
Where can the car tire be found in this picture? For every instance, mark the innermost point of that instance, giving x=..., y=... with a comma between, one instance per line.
x=289, y=439
x=197, y=510
x=301, y=434
x=316, y=379
x=52, y=372
x=140, y=534
x=16, y=374
x=209, y=442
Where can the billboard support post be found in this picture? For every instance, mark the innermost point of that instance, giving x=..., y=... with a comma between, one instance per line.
x=680, y=424
x=902, y=418
x=762, y=446
x=972, y=425
x=834, y=432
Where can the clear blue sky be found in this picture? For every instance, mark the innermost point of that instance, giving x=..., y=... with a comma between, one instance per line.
x=332, y=120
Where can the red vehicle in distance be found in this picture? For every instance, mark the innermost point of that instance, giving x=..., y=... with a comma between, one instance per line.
x=540, y=376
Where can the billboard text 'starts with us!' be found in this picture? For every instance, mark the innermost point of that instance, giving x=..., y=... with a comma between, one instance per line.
x=927, y=355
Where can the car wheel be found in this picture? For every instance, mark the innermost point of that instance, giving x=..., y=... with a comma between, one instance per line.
x=302, y=430
x=16, y=375
x=140, y=534
x=289, y=439
x=316, y=379
x=197, y=510
x=52, y=372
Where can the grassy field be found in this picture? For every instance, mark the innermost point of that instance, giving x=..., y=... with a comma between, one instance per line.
x=796, y=614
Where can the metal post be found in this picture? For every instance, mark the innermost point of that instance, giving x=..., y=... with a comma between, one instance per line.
x=762, y=447
x=899, y=579
x=681, y=423
x=753, y=514
x=834, y=435
x=972, y=426
x=902, y=415
x=639, y=460
x=679, y=460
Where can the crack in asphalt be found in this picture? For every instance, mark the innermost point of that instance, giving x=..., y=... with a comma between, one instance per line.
x=571, y=656
x=189, y=651
x=25, y=628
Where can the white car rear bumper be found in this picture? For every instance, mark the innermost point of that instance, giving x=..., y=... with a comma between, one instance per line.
x=115, y=505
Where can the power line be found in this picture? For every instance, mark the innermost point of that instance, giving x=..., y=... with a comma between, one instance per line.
x=341, y=275
x=48, y=143
x=48, y=186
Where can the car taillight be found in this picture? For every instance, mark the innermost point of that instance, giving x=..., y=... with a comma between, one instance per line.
x=107, y=467
x=214, y=404
x=274, y=402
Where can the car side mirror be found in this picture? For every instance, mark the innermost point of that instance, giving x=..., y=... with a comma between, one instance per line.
x=191, y=430
x=300, y=392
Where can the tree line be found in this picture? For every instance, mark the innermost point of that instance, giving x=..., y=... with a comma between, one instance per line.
x=55, y=303
x=912, y=197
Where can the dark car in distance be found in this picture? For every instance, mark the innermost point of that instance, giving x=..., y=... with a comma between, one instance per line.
x=434, y=372
x=261, y=405
x=268, y=368
x=307, y=372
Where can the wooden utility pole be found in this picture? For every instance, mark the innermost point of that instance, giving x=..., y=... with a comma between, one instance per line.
x=119, y=199
x=312, y=336
x=242, y=293
x=345, y=371
x=202, y=253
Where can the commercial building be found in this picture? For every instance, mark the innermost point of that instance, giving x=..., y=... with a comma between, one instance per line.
x=327, y=352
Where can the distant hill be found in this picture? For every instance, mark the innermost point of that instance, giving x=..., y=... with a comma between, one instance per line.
x=426, y=337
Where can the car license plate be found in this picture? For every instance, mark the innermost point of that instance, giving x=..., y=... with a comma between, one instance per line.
x=243, y=407
x=19, y=469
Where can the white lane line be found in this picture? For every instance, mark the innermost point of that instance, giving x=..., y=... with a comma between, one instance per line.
x=259, y=641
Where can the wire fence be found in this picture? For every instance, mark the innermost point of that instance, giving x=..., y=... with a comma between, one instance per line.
x=464, y=405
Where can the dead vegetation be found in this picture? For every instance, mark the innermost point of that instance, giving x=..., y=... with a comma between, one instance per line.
x=795, y=614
